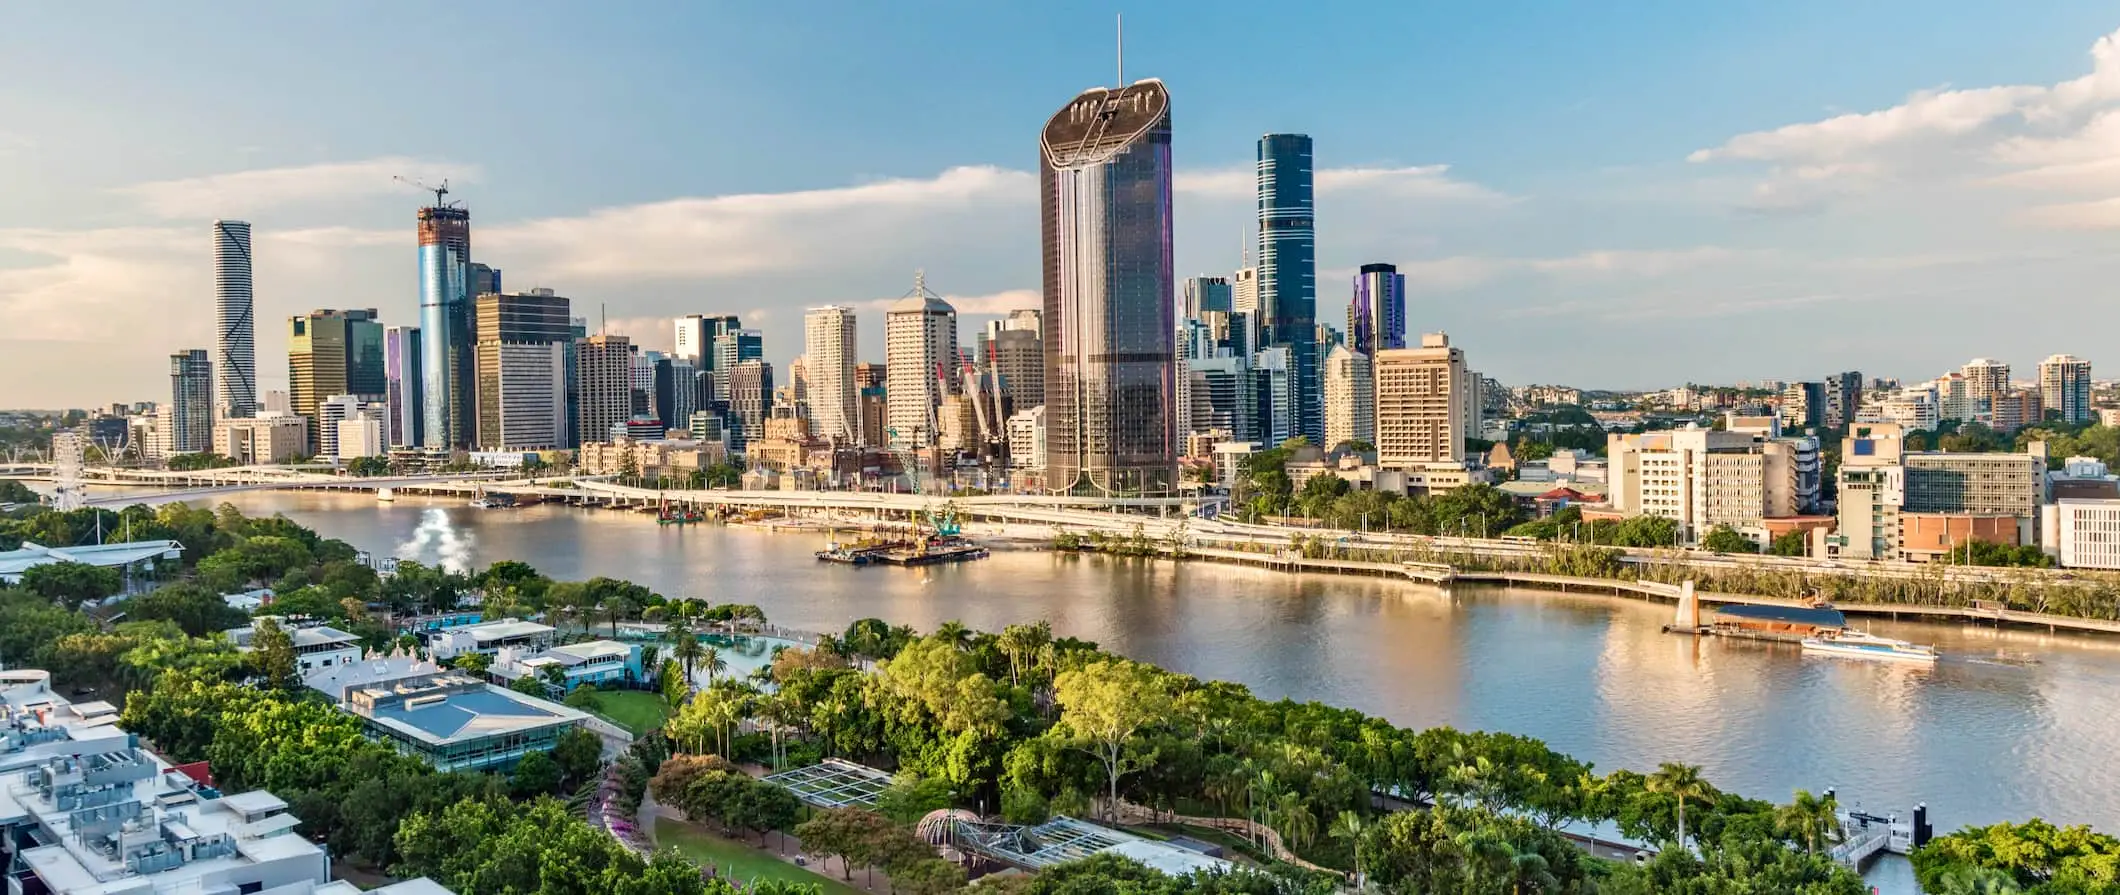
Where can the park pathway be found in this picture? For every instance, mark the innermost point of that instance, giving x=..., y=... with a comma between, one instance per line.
x=1141, y=814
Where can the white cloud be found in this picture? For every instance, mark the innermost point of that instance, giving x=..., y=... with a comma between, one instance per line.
x=93, y=278
x=2101, y=214
x=763, y=232
x=244, y=193
x=1926, y=113
x=1431, y=182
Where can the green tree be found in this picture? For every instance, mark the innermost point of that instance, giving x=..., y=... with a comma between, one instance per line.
x=197, y=610
x=1104, y=708
x=1683, y=783
x=71, y=583
x=272, y=655
x=1790, y=543
x=536, y=774
x=1724, y=539
x=1809, y=819
x=2038, y=856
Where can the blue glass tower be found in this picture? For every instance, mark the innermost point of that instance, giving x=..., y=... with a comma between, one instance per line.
x=445, y=336
x=1376, y=317
x=1288, y=269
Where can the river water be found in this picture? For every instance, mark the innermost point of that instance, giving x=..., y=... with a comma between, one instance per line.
x=2010, y=724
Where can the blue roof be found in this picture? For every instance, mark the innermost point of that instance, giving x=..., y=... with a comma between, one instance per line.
x=473, y=713
x=1821, y=617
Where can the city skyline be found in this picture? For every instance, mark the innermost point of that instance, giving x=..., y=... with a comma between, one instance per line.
x=1760, y=187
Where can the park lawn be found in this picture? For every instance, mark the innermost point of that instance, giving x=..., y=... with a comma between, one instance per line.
x=738, y=861
x=637, y=711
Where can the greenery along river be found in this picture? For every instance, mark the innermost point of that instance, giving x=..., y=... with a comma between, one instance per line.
x=2012, y=724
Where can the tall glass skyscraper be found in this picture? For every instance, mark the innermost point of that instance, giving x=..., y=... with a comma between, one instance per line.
x=1376, y=316
x=235, y=353
x=1288, y=269
x=445, y=339
x=190, y=402
x=1105, y=171
x=402, y=386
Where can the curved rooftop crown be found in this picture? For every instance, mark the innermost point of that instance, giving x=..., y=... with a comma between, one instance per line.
x=1100, y=122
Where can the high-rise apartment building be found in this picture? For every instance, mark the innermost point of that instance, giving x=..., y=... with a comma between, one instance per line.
x=1274, y=415
x=750, y=402
x=1985, y=380
x=828, y=340
x=402, y=386
x=521, y=358
x=1019, y=362
x=332, y=353
x=1350, y=398
x=235, y=352
x=1376, y=315
x=330, y=413
x=1420, y=416
x=1105, y=219
x=1288, y=270
x=732, y=347
x=604, y=376
x=920, y=353
x=2065, y=387
x=189, y=429
x=1205, y=293
x=1803, y=405
x=1843, y=392
x=446, y=364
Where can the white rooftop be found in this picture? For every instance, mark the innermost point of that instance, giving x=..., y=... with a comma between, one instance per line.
x=14, y=562
x=503, y=630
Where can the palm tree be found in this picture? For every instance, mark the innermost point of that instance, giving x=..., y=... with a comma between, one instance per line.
x=829, y=645
x=711, y=660
x=1681, y=782
x=687, y=651
x=1809, y=818
x=1978, y=881
x=1298, y=825
x=955, y=634
x=1486, y=856
x=1351, y=828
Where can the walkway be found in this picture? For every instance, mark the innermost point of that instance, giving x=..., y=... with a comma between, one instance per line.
x=789, y=848
x=1130, y=813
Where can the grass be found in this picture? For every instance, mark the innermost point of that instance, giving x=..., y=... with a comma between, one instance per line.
x=638, y=711
x=738, y=861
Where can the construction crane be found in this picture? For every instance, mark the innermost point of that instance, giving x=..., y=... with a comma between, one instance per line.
x=438, y=191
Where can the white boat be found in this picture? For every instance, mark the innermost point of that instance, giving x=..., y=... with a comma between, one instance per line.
x=385, y=495
x=1864, y=645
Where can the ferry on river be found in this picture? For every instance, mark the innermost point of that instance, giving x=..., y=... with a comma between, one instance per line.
x=1864, y=645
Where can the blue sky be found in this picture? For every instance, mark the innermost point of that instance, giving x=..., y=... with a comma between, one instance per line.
x=1608, y=195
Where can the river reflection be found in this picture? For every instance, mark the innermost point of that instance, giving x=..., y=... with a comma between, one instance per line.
x=1978, y=739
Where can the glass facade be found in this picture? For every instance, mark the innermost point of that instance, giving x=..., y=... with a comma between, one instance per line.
x=445, y=340
x=1288, y=269
x=1106, y=227
x=401, y=384
x=1376, y=316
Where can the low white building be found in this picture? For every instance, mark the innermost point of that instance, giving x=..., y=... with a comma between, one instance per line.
x=1026, y=438
x=2082, y=534
x=489, y=638
x=315, y=646
x=361, y=436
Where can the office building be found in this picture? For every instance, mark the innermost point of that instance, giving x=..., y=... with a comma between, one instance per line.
x=1019, y=362
x=750, y=402
x=444, y=717
x=2015, y=409
x=1222, y=391
x=330, y=412
x=1872, y=487
x=361, y=436
x=1997, y=484
x=1702, y=479
x=1420, y=415
x=235, y=352
x=872, y=407
x=1376, y=315
x=1274, y=415
x=605, y=378
x=920, y=354
x=333, y=353
x=269, y=437
x=520, y=359
x=445, y=344
x=828, y=339
x=1244, y=293
x=1350, y=398
x=732, y=347
x=2065, y=388
x=1105, y=207
x=402, y=385
x=189, y=429
x=1803, y=405
x=1204, y=293
x=2082, y=533
x=696, y=334
x=1288, y=290
x=1843, y=393
x=275, y=401
x=1912, y=409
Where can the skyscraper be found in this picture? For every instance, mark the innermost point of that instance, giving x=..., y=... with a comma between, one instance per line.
x=920, y=353
x=235, y=355
x=1288, y=270
x=2065, y=387
x=332, y=353
x=521, y=358
x=190, y=420
x=696, y=334
x=1376, y=316
x=731, y=347
x=1105, y=203
x=1985, y=380
x=750, y=401
x=402, y=386
x=873, y=409
x=445, y=340
x=1019, y=360
x=828, y=341
x=604, y=370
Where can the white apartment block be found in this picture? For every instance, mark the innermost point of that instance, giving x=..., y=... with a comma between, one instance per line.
x=2082, y=534
x=919, y=356
x=1026, y=438
x=829, y=349
x=1350, y=398
x=360, y=437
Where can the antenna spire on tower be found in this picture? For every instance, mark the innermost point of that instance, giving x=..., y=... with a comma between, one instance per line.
x=1121, y=19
